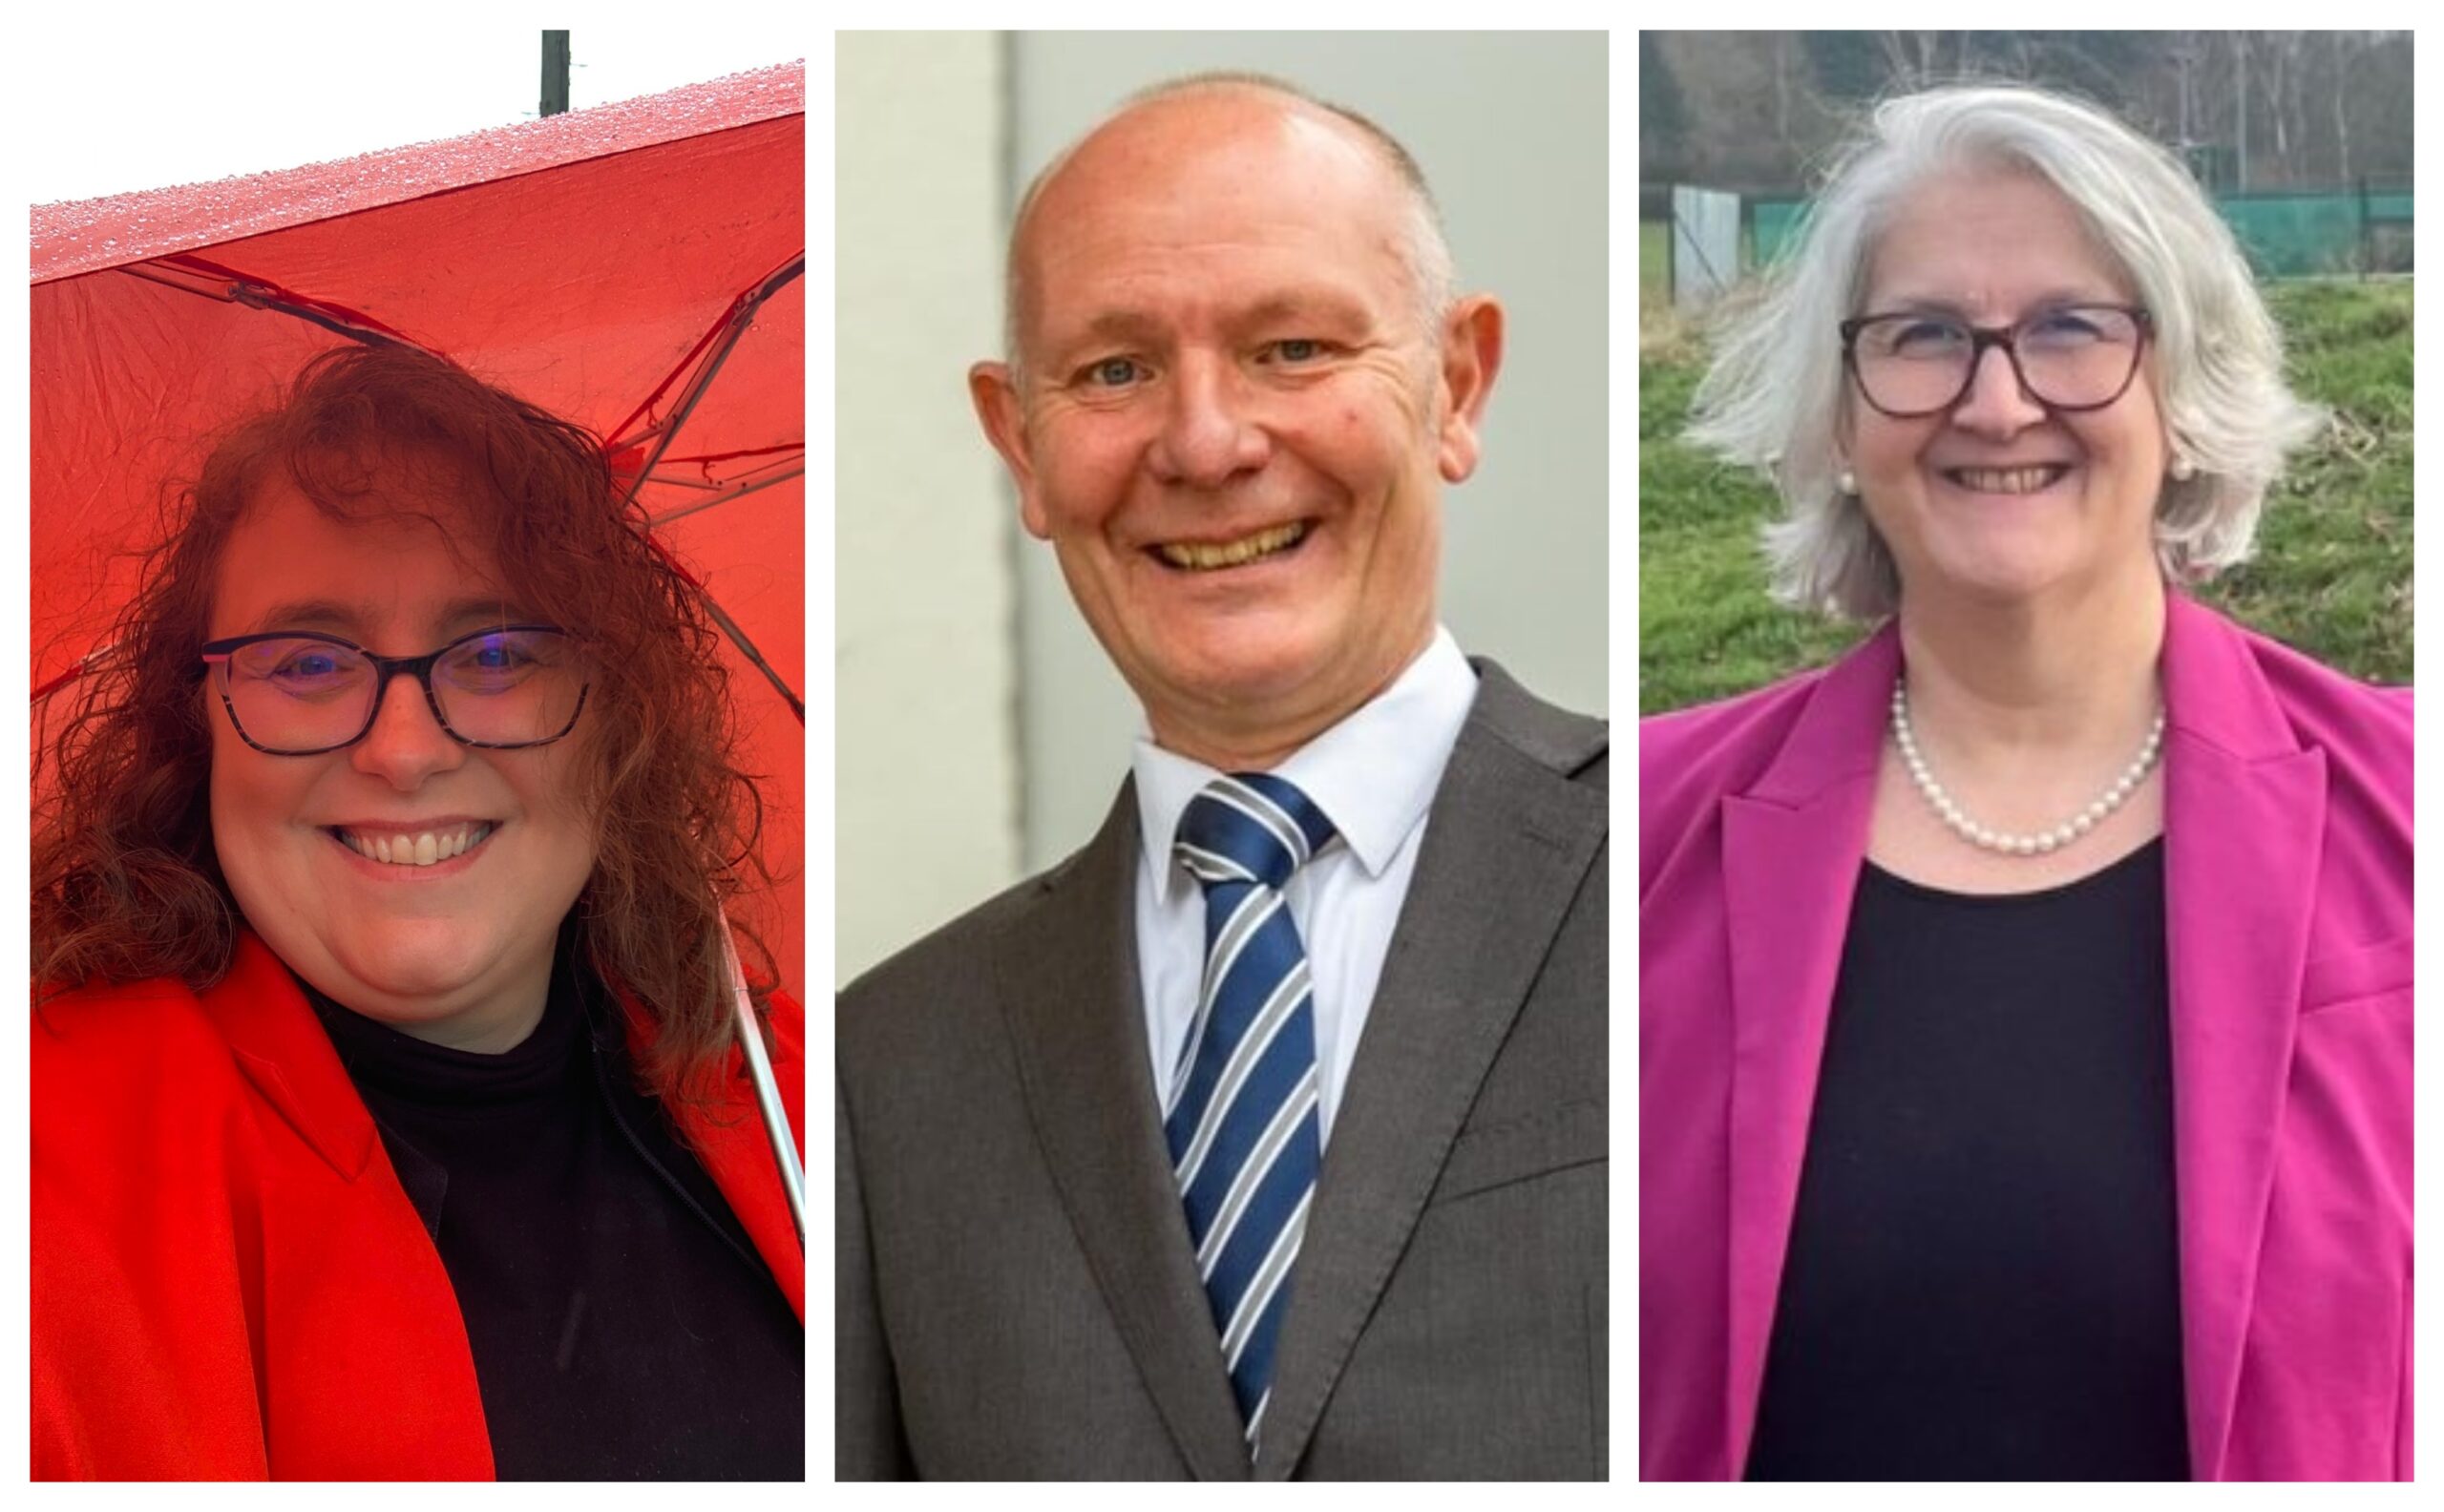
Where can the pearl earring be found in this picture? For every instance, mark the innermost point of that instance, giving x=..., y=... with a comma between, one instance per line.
x=1848, y=484
x=2182, y=468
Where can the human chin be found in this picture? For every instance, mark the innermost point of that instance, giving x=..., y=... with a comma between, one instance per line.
x=350, y=947
x=1252, y=659
x=420, y=966
x=1267, y=680
x=1997, y=558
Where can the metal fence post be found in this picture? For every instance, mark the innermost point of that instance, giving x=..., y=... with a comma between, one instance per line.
x=556, y=73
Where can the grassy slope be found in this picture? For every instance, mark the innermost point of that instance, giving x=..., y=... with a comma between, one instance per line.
x=2332, y=574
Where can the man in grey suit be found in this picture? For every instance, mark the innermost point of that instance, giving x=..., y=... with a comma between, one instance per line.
x=1265, y=1136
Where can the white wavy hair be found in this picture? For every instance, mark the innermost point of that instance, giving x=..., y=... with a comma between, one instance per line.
x=1775, y=397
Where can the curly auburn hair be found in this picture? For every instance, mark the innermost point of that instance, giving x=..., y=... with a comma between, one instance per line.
x=126, y=883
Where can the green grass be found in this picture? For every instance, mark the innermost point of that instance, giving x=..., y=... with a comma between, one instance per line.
x=2333, y=571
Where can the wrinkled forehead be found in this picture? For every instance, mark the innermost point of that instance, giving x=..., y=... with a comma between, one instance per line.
x=1202, y=170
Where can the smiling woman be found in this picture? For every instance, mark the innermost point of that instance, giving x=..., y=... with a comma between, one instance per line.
x=384, y=1075
x=460, y=953
x=2035, y=980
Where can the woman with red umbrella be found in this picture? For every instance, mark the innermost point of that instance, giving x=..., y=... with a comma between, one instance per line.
x=388, y=1117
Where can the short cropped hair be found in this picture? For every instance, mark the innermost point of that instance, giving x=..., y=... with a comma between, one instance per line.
x=1434, y=281
x=1774, y=397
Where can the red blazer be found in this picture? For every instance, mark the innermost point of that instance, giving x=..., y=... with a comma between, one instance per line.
x=2288, y=928
x=229, y=1282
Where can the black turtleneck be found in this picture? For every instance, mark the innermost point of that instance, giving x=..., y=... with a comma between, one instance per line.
x=623, y=1326
x=1983, y=1281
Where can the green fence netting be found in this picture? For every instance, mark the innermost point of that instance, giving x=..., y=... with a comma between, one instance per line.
x=2360, y=229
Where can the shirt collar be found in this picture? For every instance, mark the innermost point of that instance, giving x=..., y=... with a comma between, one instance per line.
x=1374, y=774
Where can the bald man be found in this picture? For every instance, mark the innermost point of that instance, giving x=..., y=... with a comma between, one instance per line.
x=1265, y=1136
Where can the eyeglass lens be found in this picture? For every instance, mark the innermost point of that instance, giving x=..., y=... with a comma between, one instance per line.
x=508, y=687
x=2072, y=359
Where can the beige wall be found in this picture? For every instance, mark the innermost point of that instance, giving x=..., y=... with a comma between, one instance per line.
x=924, y=661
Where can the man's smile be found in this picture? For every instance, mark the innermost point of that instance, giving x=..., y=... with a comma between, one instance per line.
x=1213, y=555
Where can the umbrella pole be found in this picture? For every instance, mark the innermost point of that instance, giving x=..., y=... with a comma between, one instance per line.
x=768, y=1089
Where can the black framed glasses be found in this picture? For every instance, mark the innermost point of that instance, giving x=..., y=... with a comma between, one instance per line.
x=300, y=693
x=1911, y=364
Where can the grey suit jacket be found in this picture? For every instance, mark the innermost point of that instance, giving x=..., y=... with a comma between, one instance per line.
x=1016, y=1293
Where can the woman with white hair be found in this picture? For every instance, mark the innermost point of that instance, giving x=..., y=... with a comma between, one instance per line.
x=2025, y=1000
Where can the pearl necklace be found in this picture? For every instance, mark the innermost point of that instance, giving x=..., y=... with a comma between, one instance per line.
x=2040, y=844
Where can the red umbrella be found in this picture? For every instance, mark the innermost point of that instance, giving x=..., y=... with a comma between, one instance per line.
x=635, y=267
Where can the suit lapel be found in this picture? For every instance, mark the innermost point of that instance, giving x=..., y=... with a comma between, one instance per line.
x=1791, y=850
x=1508, y=844
x=2243, y=822
x=1067, y=969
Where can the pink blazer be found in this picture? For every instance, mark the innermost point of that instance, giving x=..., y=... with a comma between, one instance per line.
x=2287, y=922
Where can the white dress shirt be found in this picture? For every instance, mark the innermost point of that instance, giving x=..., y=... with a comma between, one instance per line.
x=1374, y=774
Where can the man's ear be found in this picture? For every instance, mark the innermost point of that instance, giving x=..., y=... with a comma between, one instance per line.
x=993, y=388
x=1471, y=356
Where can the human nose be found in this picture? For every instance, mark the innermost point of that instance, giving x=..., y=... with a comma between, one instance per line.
x=406, y=743
x=1208, y=437
x=1996, y=401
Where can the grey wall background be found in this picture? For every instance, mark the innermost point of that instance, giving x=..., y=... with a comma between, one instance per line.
x=980, y=731
x=924, y=661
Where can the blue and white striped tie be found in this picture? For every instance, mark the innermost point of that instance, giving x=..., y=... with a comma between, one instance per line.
x=1242, y=1123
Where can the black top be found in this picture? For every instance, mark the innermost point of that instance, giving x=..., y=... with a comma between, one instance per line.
x=623, y=1326
x=1982, y=1280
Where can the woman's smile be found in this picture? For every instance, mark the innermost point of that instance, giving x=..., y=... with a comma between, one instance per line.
x=410, y=852
x=2014, y=481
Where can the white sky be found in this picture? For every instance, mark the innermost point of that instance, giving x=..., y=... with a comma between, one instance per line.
x=121, y=100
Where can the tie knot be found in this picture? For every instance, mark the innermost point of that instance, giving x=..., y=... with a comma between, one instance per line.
x=1250, y=827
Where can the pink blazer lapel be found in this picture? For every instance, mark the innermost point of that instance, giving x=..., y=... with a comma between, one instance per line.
x=1792, y=848
x=2244, y=814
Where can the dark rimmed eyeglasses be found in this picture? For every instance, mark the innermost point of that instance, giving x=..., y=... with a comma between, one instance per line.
x=300, y=693
x=2071, y=358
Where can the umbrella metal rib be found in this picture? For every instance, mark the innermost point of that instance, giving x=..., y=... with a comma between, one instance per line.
x=194, y=275
x=723, y=492
x=707, y=356
x=714, y=349
x=199, y=276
